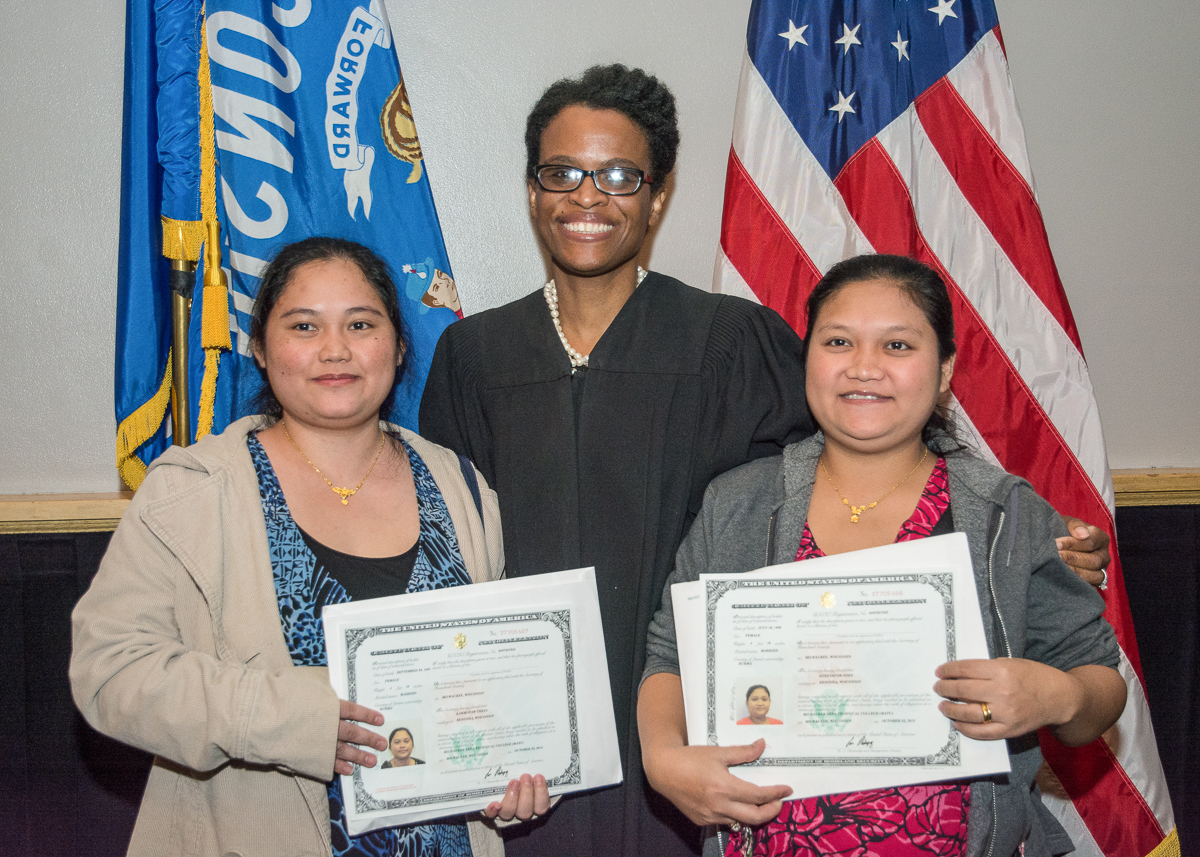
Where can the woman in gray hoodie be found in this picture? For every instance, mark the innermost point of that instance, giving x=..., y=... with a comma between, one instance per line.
x=886, y=468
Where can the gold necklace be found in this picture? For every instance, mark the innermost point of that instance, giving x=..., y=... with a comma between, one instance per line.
x=344, y=493
x=855, y=511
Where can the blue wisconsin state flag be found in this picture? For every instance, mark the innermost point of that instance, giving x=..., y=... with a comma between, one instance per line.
x=143, y=334
x=279, y=124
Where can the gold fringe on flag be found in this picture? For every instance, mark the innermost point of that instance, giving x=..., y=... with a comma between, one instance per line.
x=208, y=141
x=182, y=239
x=1169, y=847
x=139, y=427
x=214, y=322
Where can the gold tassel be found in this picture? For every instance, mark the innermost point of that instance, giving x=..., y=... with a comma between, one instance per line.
x=214, y=327
x=183, y=240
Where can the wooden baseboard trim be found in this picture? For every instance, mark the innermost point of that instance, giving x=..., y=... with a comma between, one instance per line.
x=62, y=513
x=98, y=513
x=1165, y=486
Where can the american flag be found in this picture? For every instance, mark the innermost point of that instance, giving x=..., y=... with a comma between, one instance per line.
x=891, y=126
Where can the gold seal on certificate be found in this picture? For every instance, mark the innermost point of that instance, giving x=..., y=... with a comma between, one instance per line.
x=832, y=661
x=478, y=685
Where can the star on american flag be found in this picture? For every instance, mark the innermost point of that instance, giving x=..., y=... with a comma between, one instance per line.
x=942, y=9
x=843, y=106
x=794, y=34
x=849, y=37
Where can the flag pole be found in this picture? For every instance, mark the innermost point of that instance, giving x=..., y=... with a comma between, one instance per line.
x=182, y=281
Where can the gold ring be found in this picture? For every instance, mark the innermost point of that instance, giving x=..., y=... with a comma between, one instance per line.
x=987, y=712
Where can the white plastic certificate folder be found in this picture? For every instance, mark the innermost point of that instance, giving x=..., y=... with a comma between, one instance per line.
x=478, y=685
x=846, y=647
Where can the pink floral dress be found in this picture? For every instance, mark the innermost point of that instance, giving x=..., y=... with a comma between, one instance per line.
x=925, y=819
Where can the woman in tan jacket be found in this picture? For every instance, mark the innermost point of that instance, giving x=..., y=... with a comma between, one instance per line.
x=200, y=638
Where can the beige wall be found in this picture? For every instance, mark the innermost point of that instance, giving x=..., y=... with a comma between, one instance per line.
x=1106, y=90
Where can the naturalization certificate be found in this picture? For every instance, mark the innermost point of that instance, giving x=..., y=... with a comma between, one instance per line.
x=832, y=661
x=478, y=685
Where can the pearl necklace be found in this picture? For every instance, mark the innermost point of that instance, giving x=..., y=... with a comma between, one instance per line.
x=551, y=293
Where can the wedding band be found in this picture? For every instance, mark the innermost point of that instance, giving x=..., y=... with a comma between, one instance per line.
x=987, y=712
x=1104, y=580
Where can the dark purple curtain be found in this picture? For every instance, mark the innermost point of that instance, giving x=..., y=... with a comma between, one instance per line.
x=67, y=790
x=64, y=788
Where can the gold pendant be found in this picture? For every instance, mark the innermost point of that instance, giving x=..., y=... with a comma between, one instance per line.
x=344, y=493
x=855, y=511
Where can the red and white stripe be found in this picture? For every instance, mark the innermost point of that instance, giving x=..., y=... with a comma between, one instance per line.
x=948, y=182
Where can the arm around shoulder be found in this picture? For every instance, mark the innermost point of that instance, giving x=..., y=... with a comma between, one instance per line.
x=1065, y=674
x=1065, y=624
x=765, y=405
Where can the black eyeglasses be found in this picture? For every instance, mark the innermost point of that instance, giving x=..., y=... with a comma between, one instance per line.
x=614, y=181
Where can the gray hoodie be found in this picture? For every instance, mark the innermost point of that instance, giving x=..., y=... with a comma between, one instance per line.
x=1033, y=605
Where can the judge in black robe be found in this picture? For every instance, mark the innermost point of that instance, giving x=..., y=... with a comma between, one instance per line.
x=606, y=466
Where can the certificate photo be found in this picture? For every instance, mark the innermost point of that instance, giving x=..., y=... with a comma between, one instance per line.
x=477, y=685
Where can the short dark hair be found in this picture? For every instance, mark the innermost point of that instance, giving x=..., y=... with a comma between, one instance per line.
x=755, y=687
x=924, y=287
x=399, y=729
x=630, y=91
x=278, y=276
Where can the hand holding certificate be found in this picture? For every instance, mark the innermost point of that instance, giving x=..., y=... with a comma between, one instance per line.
x=477, y=685
x=832, y=662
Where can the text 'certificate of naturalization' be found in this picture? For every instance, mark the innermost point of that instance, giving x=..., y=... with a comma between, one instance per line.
x=832, y=661
x=477, y=685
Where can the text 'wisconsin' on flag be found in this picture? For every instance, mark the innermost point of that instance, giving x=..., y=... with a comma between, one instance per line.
x=891, y=127
x=278, y=124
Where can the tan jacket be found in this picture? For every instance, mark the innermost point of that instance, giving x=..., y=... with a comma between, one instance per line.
x=177, y=650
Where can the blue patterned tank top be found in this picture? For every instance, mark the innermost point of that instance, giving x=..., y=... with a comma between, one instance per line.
x=303, y=590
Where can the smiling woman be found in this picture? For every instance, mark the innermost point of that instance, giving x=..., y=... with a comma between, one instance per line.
x=317, y=279
x=880, y=353
x=601, y=405
x=204, y=621
x=588, y=231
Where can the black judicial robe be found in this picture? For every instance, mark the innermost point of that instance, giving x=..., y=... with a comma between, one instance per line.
x=607, y=467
